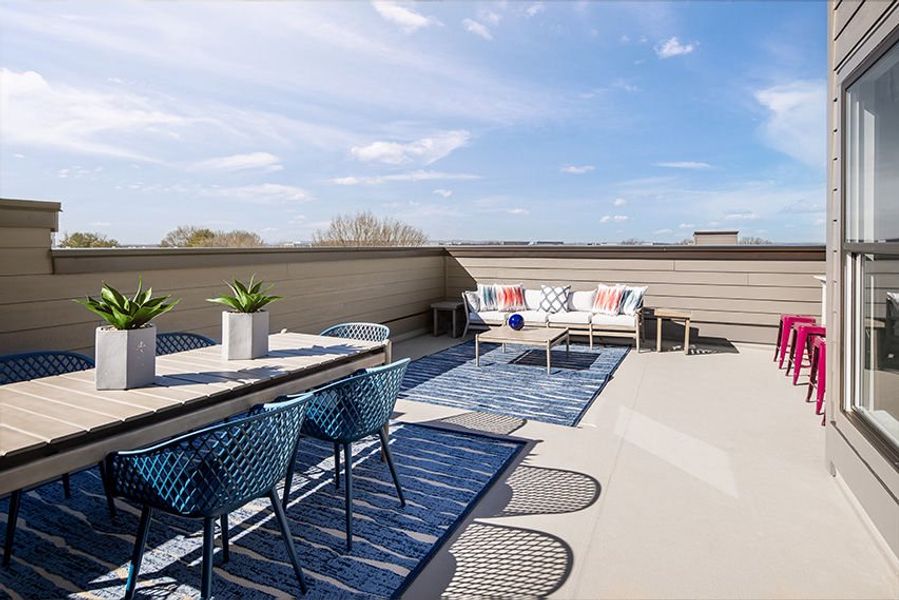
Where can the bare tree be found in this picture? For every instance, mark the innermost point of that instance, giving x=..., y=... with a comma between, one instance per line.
x=189, y=236
x=365, y=229
x=751, y=240
x=86, y=239
x=633, y=242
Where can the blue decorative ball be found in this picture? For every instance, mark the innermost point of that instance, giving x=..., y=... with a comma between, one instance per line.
x=516, y=321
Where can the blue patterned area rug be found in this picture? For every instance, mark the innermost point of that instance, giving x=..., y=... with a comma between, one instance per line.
x=71, y=549
x=514, y=382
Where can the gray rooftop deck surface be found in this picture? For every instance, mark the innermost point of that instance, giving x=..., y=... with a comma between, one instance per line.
x=712, y=484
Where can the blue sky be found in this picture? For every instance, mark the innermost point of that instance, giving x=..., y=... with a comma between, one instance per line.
x=513, y=120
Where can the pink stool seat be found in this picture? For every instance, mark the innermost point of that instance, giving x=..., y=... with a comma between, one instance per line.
x=804, y=335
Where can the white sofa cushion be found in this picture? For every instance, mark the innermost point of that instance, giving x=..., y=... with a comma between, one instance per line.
x=581, y=301
x=490, y=317
x=532, y=299
x=554, y=298
x=571, y=317
x=616, y=321
x=533, y=318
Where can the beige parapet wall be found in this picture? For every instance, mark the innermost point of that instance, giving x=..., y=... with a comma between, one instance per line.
x=735, y=292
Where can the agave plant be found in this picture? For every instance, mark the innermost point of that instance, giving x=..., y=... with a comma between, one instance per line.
x=247, y=297
x=127, y=313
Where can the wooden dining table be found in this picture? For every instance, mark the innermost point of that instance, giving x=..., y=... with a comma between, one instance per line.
x=62, y=424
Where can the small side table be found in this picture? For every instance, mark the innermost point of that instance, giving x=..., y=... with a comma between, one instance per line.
x=672, y=314
x=453, y=306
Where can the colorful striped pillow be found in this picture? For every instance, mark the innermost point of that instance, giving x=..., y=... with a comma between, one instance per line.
x=487, y=296
x=510, y=298
x=632, y=300
x=608, y=299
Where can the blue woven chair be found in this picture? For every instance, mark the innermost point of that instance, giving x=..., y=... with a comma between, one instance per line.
x=180, y=341
x=208, y=473
x=25, y=367
x=349, y=410
x=370, y=332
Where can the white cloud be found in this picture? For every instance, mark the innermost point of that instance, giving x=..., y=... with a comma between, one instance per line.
x=743, y=215
x=684, y=164
x=489, y=16
x=419, y=175
x=534, y=9
x=406, y=18
x=518, y=211
x=37, y=113
x=619, y=202
x=264, y=193
x=240, y=162
x=426, y=150
x=797, y=120
x=577, y=169
x=100, y=224
x=443, y=192
x=479, y=29
x=613, y=218
x=663, y=231
x=672, y=47
x=686, y=226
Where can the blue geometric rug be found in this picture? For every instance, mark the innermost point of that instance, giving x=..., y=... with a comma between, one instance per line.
x=71, y=549
x=514, y=382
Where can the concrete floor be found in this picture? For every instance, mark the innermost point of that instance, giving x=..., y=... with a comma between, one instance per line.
x=698, y=476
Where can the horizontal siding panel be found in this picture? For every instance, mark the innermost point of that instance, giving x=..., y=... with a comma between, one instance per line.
x=21, y=237
x=843, y=13
x=23, y=261
x=856, y=31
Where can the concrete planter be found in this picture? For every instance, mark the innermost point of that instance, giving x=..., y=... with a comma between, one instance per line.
x=244, y=335
x=126, y=358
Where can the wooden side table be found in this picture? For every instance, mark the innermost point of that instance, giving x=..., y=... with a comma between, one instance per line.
x=453, y=306
x=672, y=314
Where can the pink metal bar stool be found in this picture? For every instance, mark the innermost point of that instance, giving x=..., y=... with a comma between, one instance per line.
x=818, y=376
x=783, y=334
x=803, y=334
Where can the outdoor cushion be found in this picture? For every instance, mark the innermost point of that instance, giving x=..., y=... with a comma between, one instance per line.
x=581, y=301
x=572, y=317
x=487, y=296
x=474, y=301
x=510, y=298
x=624, y=321
x=533, y=317
x=632, y=300
x=554, y=298
x=493, y=317
x=608, y=299
x=532, y=299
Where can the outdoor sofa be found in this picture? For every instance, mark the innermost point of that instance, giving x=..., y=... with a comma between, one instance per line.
x=577, y=315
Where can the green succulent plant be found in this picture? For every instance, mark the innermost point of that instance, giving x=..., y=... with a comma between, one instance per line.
x=247, y=297
x=127, y=313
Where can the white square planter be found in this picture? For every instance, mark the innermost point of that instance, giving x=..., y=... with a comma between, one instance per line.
x=244, y=335
x=126, y=358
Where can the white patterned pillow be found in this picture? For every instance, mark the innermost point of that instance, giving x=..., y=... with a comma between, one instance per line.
x=632, y=301
x=554, y=298
x=474, y=303
x=487, y=296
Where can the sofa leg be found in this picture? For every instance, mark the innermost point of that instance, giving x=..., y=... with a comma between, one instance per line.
x=590, y=334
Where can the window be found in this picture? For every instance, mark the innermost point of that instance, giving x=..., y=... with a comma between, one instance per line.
x=871, y=246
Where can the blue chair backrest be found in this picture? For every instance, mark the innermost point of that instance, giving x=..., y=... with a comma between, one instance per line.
x=369, y=332
x=180, y=341
x=214, y=470
x=357, y=406
x=34, y=365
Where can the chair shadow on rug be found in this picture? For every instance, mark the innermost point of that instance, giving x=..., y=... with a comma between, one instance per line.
x=577, y=361
x=482, y=422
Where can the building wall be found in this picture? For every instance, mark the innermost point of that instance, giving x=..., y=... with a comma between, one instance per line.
x=857, y=30
x=735, y=292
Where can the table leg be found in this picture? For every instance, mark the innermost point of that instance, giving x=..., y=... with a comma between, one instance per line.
x=687, y=337
x=567, y=344
x=477, y=350
x=455, y=328
x=434, y=315
x=548, y=358
x=658, y=334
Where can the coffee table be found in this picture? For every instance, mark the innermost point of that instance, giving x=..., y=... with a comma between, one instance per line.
x=542, y=337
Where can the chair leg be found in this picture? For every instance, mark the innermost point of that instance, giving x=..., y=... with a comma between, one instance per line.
x=288, y=539
x=140, y=542
x=67, y=486
x=15, y=501
x=385, y=431
x=396, y=480
x=226, y=552
x=348, y=494
x=208, y=547
x=336, y=466
x=107, y=488
x=288, y=478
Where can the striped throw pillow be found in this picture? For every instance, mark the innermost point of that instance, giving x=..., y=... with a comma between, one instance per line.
x=632, y=300
x=510, y=298
x=487, y=296
x=608, y=299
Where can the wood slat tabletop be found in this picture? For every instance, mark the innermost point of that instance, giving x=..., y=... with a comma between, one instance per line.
x=56, y=411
